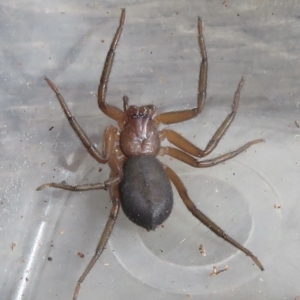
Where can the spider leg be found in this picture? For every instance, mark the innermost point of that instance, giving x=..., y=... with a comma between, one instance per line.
x=179, y=141
x=109, y=139
x=188, y=159
x=115, y=198
x=75, y=188
x=92, y=150
x=203, y=218
x=212, y=144
x=183, y=144
x=83, y=187
x=180, y=116
x=110, y=110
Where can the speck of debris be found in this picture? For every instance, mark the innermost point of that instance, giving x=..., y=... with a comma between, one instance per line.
x=81, y=255
x=202, y=250
x=216, y=272
x=49, y=258
x=51, y=128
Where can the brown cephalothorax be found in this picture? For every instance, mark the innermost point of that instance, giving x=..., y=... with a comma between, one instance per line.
x=140, y=133
x=138, y=181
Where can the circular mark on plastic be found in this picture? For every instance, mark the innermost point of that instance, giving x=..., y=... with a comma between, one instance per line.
x=235, y=197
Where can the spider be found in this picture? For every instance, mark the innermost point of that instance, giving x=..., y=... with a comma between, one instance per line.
x=138, y=181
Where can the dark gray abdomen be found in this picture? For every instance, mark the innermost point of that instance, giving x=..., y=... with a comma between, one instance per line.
x=146, y=192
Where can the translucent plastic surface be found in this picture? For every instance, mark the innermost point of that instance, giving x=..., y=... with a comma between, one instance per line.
x=253, y=197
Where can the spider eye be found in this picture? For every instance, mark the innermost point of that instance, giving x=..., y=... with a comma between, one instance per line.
x=140, y=115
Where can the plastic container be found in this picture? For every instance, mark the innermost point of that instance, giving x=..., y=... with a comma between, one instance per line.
x=253, y=197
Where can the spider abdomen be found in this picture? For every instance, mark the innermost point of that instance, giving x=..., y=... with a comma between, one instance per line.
x=145, y=191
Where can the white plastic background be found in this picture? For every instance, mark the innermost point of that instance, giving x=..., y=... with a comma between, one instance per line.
x=157, y=62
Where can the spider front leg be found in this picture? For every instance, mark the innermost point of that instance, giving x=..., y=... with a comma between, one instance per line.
x=183, y=115
x=203, y=218
x=110, y=110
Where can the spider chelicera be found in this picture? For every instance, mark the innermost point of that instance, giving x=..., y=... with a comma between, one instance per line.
x=138, y=181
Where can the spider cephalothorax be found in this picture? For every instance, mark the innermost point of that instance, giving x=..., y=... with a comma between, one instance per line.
x=139, y=135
